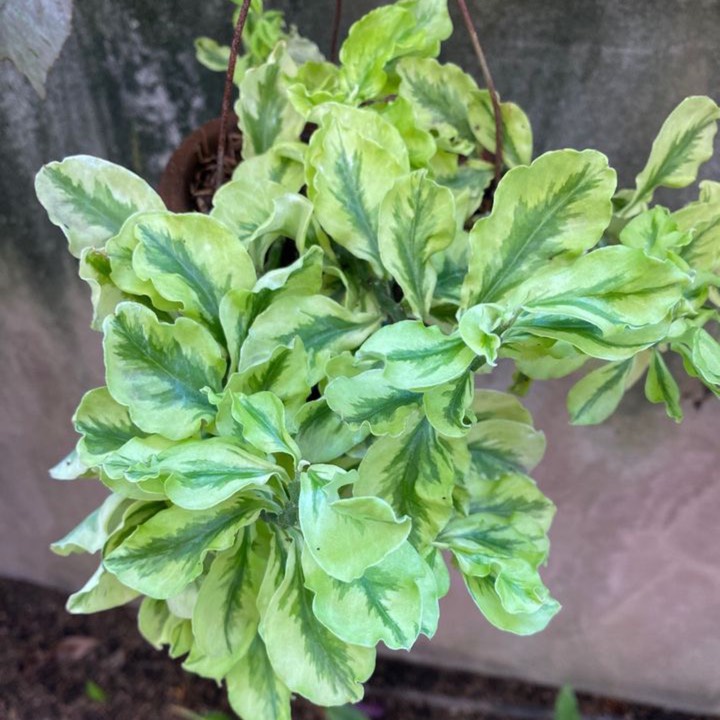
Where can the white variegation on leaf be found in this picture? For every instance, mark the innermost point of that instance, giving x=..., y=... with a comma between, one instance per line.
x=264, y=111
x=255, y=692
x=89, y=199
x=102, y=591
x=417, y=220
x=369, y=401
x=346, y=535
x=262, y=418
x=323, y=326
x=322, y=435
x=685, y=142
x=158, y=370
x=447, y=407
x=351, y=175
x=415, y=473
x=192, y=260
x=661, y=387
x=307, y=657
x=90, y=535
x=557, y=208
x=383, y=605
x=199, y=474
x=105, y=296
x=167, y=552
x=105, y=426
x=226, y=617
x=417, y=356
x=594, y=398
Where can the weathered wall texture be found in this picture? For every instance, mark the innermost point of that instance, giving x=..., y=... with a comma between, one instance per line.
x=635, y=558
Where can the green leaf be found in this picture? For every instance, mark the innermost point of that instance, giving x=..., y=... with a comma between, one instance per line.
x=556, y=208
x=684, y=142
x=415, y=473
x=89, y=199
x=496, y=405
x=70, y=468
x=134, y=452
x=104, y=424
x=211, y=54
x=200, y=474
x=207, y=666
x=119, y=250
x=265, y=114
x=383, y=605
x=284, y=373
x=350, y=176
x=594, y=398
x=323, y=326
x=417, y=220
x=159, y=370
x=433, y=20
x=160, y=627
x=447, y=406
x=420, y=143
x=417, y=356
x=193, y=260
x=523, y=622
x=258, y=211
x=90, y=535
x=656, y=232
x=433, y=584
x=566, y=705
x=102, y=591
x=447, y=102
x=499, y=446
x=225, y=617
x=609, y=288
x=346, y=536
x=499, y=547
x=476, y=328
x=701, y=356
x=307, y=657
x=517, y=139
x=372, y=42
x=262, y=418
x=661, y=387
x=239, y=308
x=701, y=220
x=95, y=270
x=368, y=401
x=167, y=552
x=322, y=435
x=255, y=692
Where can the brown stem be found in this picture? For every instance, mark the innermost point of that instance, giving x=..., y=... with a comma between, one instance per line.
x=227, y=94
x=335, y=31
x=470, y=25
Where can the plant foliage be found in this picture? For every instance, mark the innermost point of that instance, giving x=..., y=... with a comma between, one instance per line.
x=291, y=430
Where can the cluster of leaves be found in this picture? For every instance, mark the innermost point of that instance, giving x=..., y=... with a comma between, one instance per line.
x=291, y=428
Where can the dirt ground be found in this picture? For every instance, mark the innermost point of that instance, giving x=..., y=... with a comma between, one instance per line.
x=56, y=666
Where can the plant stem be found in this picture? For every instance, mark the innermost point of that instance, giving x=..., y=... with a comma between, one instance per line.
x=470, y=25
x=227, y=94
x=335, y=31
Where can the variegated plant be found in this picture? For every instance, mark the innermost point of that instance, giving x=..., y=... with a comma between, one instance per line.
x=295, y=448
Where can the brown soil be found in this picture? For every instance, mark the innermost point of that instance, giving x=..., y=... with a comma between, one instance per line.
x=47, y=658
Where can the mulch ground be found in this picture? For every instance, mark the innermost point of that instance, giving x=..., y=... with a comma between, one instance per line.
x=56, y=666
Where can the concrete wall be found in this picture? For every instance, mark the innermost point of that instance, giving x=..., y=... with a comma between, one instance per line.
x=634, y=558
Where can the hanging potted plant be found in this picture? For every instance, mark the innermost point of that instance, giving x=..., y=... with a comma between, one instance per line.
x=295, y=427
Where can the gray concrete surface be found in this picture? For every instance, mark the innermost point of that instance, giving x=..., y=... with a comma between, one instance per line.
x=634, y=557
